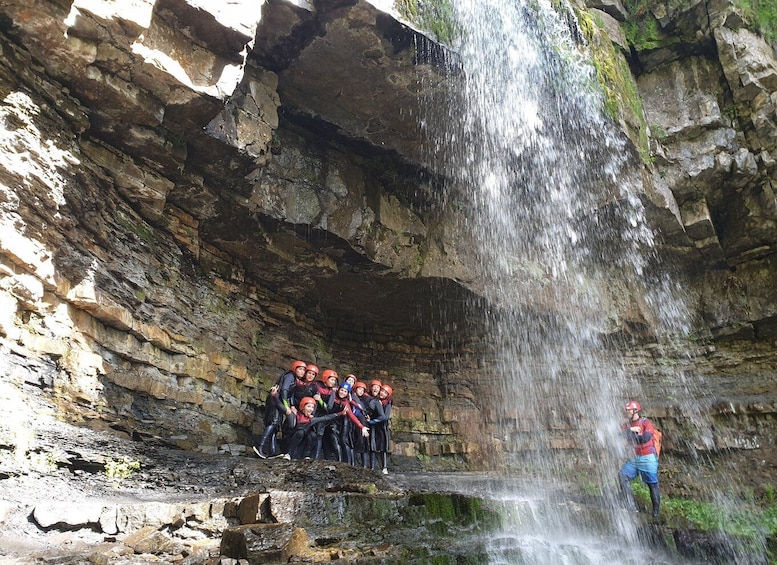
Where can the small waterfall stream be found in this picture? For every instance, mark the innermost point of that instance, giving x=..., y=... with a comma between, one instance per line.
x=550, y=187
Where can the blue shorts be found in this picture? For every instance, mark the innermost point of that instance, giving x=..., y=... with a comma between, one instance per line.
x=645, y=465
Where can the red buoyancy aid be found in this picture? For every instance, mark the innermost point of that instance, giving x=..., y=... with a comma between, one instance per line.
x=648, y=447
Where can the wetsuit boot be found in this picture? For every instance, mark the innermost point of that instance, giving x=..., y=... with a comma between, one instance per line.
x=269, y=432
x=628, y=494
x=655, y=498
x=384, y=462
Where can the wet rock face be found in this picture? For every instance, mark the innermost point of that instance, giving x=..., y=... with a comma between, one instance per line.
x=170, y=243
x=708, y=100
x=192, y=198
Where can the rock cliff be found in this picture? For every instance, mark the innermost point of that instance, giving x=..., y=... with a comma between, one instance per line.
x=193, y=194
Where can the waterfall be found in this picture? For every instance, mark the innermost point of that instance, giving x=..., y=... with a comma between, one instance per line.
x=558, y=231
x=551, y=193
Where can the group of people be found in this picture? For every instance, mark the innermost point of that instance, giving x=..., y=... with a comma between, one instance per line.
x=312, y=417
x=307, y=417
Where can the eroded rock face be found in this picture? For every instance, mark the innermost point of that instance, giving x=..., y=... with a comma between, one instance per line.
x=711, y=114
x=194, y=194
x=708, y=101
x=169, y=243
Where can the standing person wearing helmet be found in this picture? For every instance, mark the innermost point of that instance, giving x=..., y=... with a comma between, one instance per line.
x=305, y=387
x=346, y=429
x=361, y=445
x=380, y=432
x=329, y=382
x=641, y=435
x=373, y=414
x=326, y=390
x=273, y=415
x=351, y=380
x=374, y=388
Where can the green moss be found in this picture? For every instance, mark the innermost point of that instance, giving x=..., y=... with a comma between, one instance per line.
x=124, y=468
x=621, y=97
x=748, y=520
x=658, y=131
x=435, y=16
x=365, y=510
x=643, y=33
x=762, y=14
x=770, y=496
x=140, y=229
x=642, y=29
x=320, y=352
x=420, y=555
x=407, y=8
x=440, y=506
x=450, y=509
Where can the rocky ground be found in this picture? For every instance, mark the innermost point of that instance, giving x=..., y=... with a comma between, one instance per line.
x=48, y=514
x=70, y=494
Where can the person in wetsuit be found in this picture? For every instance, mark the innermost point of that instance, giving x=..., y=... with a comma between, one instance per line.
x=641, y=434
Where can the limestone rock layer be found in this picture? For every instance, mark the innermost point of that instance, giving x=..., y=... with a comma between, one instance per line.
x=194, y=194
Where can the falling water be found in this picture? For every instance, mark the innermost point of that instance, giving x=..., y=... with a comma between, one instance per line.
x=546, y=179
x=550, y=189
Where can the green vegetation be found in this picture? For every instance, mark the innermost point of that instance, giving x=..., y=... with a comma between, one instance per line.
x=44, y=462
x=420, y=555
x=123, y=468
x=770, y=496
x=451, y=509
x=435, y=16
x=658, y=132
x=644, y=32
x=762, y=14
x=591, y=489
x=749, y=520
x=642, y=29
x=621, y=98
x=136, y=226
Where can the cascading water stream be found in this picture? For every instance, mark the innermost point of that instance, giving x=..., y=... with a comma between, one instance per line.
x=550, y=189
x=546, y=180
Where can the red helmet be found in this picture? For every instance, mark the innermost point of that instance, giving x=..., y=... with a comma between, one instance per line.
x=359, y=384
x=306, y=400
x=328, y=373
x=633, y=405
x=388, y=389
x=351, y=376
x=375, y=382
x=312, y=368
x=297, y=364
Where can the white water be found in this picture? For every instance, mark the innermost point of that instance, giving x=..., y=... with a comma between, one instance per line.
x=551, y=194
x=557, y=230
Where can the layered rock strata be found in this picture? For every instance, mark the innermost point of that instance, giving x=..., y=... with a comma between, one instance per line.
x=195, y=194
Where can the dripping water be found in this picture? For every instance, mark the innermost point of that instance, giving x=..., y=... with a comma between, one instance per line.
x=549, y=191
